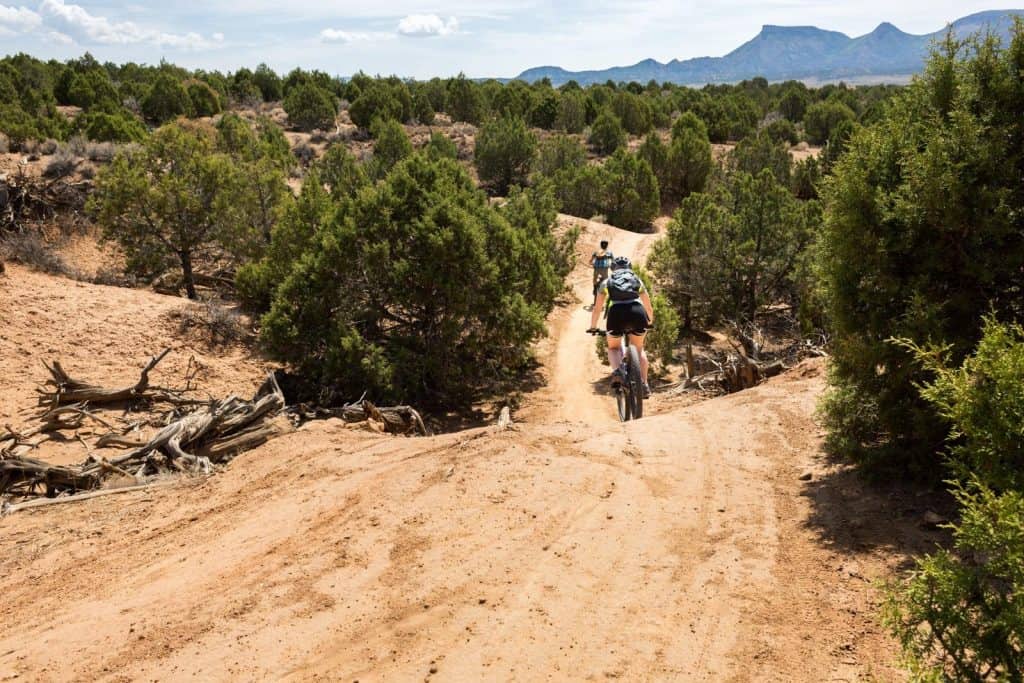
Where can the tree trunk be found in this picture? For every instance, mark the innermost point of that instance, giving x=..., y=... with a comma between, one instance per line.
x=186, y=272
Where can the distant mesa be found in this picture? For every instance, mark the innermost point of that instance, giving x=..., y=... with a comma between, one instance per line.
x=808, y=53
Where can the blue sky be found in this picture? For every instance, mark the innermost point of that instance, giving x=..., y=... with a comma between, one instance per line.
x=444, y=37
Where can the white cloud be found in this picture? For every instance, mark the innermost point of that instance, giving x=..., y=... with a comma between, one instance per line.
x=19, y=19
x=333, y=35
x=77, y=23
x=426, y=25
x=219, y=37
x=59, y=38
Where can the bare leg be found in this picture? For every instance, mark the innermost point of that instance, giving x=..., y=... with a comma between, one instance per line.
x=645, y=365
x=614, y=352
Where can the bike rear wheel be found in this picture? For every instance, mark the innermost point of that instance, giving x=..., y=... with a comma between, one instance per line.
x=636, y=384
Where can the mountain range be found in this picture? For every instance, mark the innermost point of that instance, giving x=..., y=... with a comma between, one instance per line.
x=806, y=53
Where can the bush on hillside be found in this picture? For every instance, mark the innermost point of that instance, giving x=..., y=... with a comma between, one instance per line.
x=170, y=200
x=442, y=292
x=732, y=250
x=760, y=151
x=688, y=162
x=390, y=146
x=104, y=127
x=441, y=146
x=558, y=152
x=631, y=197
x=341, y=173
x=203, y=99
x=822, y=118
x=572, y=113
x=782, y=130
x=504, y=152
x=269, y=83
x=961, y=613
x=166, y=100
x=464, y=101
x=633, y=111
x=310, y=107
x=924, y=231
x=375, y=102
x=607, y=133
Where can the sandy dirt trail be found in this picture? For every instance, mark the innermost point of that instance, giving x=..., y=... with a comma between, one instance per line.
x=575, y=378
x=570, y=547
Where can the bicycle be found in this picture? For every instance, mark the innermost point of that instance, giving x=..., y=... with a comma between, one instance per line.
x=629, y=392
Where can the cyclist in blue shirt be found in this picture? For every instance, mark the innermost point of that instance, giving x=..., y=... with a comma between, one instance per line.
x=602, y=262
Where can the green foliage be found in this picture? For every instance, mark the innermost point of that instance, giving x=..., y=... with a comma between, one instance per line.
x=607, y=133
x=170, y=201
x=166, y=100
x=960, y=616
x=464, y=101
x=203, y=98
x=633, y=111
x=631, y=198
x=924, y=231
x=391, y=146
x=580, y=190
x=655, y=153
x=439, y=291
x=822, y=118
x=296, y=232
x=806, y=176
x=377, y=101
x=572, y=112
x=310, y=107
x=794, y=103
x=782, y=130
x=760, y=151
x=269, y=83
x=343, y=175
x=732, y=250
x=688, y=162
x=103, y=127
x=243, y=88
x=504, y=152
x=91, y=88
x=544, y=110
x=558, y=152
x=441, y=146
x=688, y=121
x=422, y=109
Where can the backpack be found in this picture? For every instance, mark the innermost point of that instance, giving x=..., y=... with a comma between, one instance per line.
x=603, y=261
x=624, y=285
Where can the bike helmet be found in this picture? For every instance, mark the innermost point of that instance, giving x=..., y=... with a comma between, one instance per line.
x=604, y=244
x=621, y=262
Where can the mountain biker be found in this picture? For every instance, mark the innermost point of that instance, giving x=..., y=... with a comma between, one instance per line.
x=602, y=262
x=629, y=312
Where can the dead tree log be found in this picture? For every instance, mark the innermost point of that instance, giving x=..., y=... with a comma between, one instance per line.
x=65, y=389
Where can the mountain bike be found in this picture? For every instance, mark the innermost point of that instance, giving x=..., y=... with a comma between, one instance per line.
x=629, y=390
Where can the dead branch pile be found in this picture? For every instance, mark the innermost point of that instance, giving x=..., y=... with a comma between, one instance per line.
x=25, y=200
x=394, y=420
x=194, y=435
x=747, y=364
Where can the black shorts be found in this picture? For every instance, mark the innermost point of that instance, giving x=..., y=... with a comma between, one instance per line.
x=627, y=318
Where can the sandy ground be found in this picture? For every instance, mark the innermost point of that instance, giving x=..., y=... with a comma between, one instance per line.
x=711, y=542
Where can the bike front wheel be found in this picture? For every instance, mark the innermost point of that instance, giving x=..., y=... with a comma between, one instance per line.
x=624, y=403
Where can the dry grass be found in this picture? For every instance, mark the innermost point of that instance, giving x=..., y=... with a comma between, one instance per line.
x=218, y=323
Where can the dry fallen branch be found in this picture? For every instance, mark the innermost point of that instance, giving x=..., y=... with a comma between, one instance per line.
x=65, y=389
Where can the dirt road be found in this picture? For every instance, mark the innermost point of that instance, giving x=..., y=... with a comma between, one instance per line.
x=681, y=547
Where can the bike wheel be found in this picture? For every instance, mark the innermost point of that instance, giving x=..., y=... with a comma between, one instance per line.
x=636, y=384
x=624, y=403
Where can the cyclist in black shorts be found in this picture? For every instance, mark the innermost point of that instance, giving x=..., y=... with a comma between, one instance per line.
x=629, y=312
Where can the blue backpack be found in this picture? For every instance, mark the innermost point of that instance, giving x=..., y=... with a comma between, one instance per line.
x=603, y=261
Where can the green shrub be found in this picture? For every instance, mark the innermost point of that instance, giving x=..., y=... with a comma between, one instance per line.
x=607, y=133
x=203, y=98
x=793, y=103
x=734, y=249
x=343, y=175
x=442, y=292
x=269, y=83
x=504, y=152
x=822, y=118
x=422, y=111
x=631, y=197
x=390, y=146
x=169, y=201
x=572, y=113
x=464, y=101
x=633, y=111
x=103, y=127
x=782, y=130
x=558, y=152
x=166, y=100
x=544, y=111
x=805, y=178
x=688, y=163
x=660, y=342
x=688, y=121
x=760, y=151
x=377, y=101
x=441, y=146
x=310, y=107
x=924, y=230
x=580, y=190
